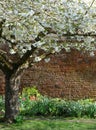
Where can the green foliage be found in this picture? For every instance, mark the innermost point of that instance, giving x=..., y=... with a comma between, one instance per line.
x=27, y=98
x=30, y=91
x=19, y=119
x=1, y=102
x=45, y=106
x=2, y=111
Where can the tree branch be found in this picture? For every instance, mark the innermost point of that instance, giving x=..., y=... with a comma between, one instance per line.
x=90, y=6
x=5, y=60
x=91, y=34
x=13, y=44
x=2, y=67
x=42, y=56
x=51, y=30
x=24, y=58
x=1, y=26
x=7, y=40
x=40, y=35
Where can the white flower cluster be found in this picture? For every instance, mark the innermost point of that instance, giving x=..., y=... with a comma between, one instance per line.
x=71, y=19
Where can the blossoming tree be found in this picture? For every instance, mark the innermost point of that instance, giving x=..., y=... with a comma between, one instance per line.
x=33, y=29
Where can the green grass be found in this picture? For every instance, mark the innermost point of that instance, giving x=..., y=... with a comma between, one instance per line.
x=52, y=124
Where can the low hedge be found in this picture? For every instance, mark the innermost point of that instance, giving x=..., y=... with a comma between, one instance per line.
x=44, y=106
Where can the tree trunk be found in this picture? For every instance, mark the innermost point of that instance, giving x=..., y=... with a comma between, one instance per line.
x=12, y=84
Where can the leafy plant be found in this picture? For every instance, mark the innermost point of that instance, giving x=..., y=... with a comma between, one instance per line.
x=45, y=106
x=30, y=91
x=19, y=119
x=2, y=111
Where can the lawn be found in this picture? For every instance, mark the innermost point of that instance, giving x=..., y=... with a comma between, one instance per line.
x=52, y=124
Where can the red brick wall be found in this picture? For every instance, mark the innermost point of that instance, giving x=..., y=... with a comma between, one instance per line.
x=70, y=76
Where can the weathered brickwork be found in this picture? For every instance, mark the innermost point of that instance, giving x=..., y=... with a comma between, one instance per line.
x=71, y=76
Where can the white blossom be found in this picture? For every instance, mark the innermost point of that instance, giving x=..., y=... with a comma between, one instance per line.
x=92, y=54
x=47, y=60
x=12, y=51
x=33, y=19
x=37, y=59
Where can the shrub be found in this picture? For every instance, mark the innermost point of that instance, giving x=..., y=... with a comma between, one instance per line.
x=45, y=106
x=2, y=104
x=30, y=91
x=42, y=106
x=27, y=98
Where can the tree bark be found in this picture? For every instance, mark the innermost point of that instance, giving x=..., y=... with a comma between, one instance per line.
x=12, y=85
